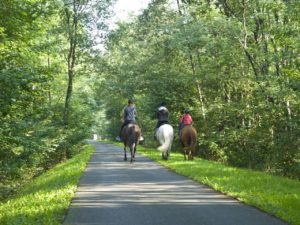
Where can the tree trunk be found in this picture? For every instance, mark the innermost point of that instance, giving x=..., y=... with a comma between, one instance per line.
x=49, y=91
x=72, y=24
x=200, y=96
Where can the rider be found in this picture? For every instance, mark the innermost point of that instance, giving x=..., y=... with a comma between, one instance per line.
x=186, y=119
x=162, y=115
x=129, y=116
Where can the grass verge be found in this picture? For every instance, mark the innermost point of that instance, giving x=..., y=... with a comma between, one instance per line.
x=46, y=198
x=275, y=195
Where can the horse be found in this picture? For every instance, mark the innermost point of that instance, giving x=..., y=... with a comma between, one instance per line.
x=131, y=134
x=165, y=135
x=188, y=139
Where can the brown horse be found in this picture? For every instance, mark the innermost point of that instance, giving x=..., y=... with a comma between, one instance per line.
x=188, y=139
x=131, y=134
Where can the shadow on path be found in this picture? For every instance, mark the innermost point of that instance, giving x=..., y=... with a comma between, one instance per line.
x=114, y=192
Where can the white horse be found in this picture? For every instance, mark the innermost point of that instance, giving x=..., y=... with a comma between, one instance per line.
x=165, y=135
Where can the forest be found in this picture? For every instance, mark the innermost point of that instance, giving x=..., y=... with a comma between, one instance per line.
x=233, y=63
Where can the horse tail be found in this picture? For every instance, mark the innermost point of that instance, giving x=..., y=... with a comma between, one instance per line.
x=134, y=135
x=168, y=138
x=192, y=140
x=165, y=146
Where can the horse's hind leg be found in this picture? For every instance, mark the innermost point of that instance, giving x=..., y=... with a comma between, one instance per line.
x=125, y=155
x=190, y=156
x=165, y=155
x=184, y=153
x=132, y=152
x=169, y=151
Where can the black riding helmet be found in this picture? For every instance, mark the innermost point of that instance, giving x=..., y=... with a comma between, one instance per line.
x=163, y=104
x=186, y=111
x=130, y=101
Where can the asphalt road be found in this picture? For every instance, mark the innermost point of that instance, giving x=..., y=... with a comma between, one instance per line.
x=114, y=192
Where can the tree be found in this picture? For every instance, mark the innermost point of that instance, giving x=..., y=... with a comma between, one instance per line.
x=237, y=54
x=33, y=46
x=77, y=15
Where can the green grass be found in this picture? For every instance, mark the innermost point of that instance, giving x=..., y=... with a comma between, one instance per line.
x=276, y=195
x=46, y=198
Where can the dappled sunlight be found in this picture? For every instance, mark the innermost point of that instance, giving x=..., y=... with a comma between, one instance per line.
x=253, y=187
x=150, y=193
x=142, y=190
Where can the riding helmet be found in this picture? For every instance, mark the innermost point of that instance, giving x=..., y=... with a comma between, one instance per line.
x=163, y=104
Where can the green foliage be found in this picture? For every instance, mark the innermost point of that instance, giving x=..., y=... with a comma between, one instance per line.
x=33, y=69
x=46, y=198
x=234, y=64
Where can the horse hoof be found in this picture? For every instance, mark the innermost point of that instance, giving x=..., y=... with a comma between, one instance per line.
x=164, y=157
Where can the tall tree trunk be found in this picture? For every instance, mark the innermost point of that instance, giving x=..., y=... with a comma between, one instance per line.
x=49, y=65
x=193, y=66
x=72, y=24
x=200, y=96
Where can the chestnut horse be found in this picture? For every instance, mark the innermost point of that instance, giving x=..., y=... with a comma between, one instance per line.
x=188, y=139
x=131, y=134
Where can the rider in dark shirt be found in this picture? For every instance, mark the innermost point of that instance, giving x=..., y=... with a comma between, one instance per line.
x=129, y=113
x=162, y=115
x=129, y=116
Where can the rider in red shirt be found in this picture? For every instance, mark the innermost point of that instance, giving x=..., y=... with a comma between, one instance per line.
x=186, y=119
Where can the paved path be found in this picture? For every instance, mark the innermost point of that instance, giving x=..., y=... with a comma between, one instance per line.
x=114, y=192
